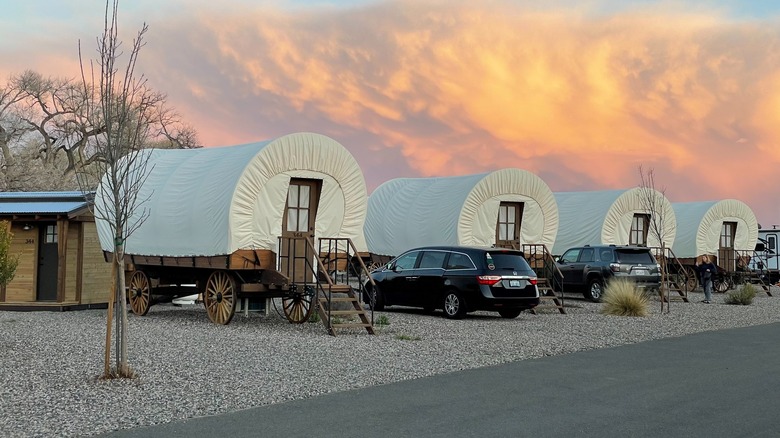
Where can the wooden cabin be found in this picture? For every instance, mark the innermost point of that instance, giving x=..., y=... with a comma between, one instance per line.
x=61, y=264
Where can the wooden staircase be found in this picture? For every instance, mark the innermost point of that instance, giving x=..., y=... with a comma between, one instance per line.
x=548, y=277
x=679, y=279
x=339, y=304
x=334, y=317
x=750, y=276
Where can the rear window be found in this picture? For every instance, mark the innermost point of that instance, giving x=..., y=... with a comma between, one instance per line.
x=508, y=262
x=634, y=257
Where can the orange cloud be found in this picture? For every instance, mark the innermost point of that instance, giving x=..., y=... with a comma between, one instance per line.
x=577, y=95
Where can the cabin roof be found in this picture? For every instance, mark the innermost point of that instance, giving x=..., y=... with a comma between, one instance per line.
x=42, y=202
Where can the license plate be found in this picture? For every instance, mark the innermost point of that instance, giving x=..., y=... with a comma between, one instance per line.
x=515, y=283
x=640, y=272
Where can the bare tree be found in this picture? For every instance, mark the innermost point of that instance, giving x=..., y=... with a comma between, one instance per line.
x=125, y=109
x=652, y=200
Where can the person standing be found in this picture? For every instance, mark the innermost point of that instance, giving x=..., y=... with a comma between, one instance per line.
x=707, y=271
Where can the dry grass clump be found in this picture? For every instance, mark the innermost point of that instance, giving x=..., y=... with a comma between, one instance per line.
x=622, y=298
x=743, y=295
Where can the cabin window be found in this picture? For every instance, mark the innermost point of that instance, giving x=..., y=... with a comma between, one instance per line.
x=771, y=243
x=639, y=227
x=727, y=234
x=51, y=234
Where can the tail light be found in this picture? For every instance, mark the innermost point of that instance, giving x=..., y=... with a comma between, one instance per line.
x=488, y=280
x=533, y=281
x=614, y=267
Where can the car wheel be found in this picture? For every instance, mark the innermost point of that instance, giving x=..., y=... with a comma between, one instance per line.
x=595, y=290
x=375, y=298
x=454, y=305
x=510, y=314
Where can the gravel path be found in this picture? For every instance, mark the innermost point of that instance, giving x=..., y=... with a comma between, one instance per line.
x=189, y=367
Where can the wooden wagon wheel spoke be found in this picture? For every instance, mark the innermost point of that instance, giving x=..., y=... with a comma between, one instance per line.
x=298, y=305
x=220, y=297
x=140, y=293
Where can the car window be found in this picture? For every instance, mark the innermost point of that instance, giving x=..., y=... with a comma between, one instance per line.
x=510, y=262
x=605, y=255
x=570, y=256
x=587, y=255
x=459, y=261
x=407, y=260
x=432, y=259
x=634, y=256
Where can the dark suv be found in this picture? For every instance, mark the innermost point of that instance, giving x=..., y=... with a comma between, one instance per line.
x=456, y=279
x=589, y=268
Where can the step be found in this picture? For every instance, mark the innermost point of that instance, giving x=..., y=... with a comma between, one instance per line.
x=352, y=325
x=337, y=288
x=338, y=299
x=344, y=312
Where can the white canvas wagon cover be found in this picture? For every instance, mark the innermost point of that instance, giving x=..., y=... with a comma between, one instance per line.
x=605, y=217
x=699, y=226
x=214, y=201
x=462, y=210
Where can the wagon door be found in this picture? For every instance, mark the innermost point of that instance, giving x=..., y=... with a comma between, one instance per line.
x=299, y=219
x=726, y=255
x=510, y=217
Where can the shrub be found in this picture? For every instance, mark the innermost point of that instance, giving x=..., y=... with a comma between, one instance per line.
x=382, y=320
x=743, y=295
x=315, y=315
x=8, y=261
x=621, y=298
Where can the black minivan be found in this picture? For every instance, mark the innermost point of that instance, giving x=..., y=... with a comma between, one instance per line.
x=456, y=279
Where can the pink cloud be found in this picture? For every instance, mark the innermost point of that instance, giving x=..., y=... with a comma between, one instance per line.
x=444, y=88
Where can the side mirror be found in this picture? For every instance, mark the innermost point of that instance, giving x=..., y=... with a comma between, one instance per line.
x=397, y=268
x=760, y=247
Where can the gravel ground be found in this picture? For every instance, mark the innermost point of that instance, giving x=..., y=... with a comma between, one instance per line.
x=189, y=367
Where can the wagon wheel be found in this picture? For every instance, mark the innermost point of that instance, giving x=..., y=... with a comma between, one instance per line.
x=220, y=297
x=692, y=282
x=140, y=293
x=298, y=304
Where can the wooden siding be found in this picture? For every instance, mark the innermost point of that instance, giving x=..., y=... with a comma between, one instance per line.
x=71, y=259
x=24, y=243
x=96, y=272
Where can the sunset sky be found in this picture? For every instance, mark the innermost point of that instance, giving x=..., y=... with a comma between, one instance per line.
x=579, y=92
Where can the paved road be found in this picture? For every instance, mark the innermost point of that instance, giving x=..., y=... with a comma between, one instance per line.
x=716, y=384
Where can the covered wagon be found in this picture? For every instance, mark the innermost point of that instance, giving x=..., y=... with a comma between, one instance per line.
x=725, y=229
x=239, y=222
x=508, y=208
x=613, y=217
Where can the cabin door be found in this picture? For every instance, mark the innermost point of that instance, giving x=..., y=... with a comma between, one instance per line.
x=299, y=219
x=510, y=217
x=727, y=258
x=640, y=224
x=47, y=262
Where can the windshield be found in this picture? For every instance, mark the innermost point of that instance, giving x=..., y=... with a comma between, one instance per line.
x=643, y=257
x=509, y=262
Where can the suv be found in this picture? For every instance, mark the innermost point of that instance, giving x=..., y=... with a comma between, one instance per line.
x=588, y=268
x=456, y=279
